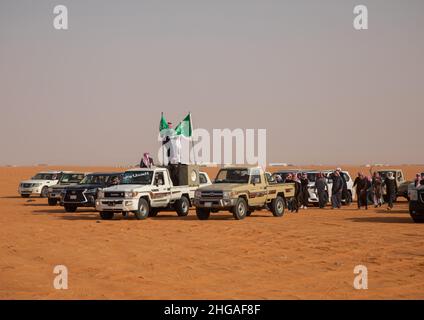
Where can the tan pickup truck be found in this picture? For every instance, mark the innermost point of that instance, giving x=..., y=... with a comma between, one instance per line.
x=241, y=190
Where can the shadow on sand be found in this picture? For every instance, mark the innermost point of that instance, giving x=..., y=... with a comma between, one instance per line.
x=118, y=217
x=383, y=219
x=12, y=197
x=61, y=210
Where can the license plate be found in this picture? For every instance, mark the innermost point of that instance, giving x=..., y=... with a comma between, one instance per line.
x=208, y=204
x=73, y=197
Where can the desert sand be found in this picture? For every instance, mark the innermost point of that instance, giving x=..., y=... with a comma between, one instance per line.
x=308, y=255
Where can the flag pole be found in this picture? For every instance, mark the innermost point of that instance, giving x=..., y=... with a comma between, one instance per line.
x=191, y=138
x=162, y=146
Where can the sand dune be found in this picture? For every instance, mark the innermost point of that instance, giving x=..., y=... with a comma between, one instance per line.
x=309, y=255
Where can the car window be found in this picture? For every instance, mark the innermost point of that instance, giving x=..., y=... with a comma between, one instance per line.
x=202, y=178
x=159, y=180
x=346, y=176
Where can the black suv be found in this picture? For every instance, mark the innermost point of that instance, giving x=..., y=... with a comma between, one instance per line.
x=84, y=194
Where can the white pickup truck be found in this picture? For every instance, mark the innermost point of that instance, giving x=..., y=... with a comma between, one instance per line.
x=145, y=192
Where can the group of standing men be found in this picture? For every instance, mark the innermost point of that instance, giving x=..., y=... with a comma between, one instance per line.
x=301, y=181
x=370, y=189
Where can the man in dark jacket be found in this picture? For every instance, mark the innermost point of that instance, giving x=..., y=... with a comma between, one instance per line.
x=336, y=190
x=360, y=184
x=304, y=198
x=345, y=192
x=294, y=202
x=390, y=185
x=322, y=190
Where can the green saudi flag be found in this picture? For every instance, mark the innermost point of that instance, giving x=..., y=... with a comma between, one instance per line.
x=184, y=128
x=163, y=125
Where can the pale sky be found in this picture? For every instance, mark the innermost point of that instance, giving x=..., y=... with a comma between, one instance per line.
x=326, y=93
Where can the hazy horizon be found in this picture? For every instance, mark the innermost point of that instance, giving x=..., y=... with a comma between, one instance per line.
x=326, y=93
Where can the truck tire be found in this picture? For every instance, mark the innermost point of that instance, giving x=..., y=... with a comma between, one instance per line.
x=25, y=195
x=44, y=192
x=106, y=215
x=153, y=212
x=143, y=209
x=182, y=206
x=348, y=199
x=202, y=213
x=70, y=207
x=52, y=202
x=277, y=206
x=240, y=209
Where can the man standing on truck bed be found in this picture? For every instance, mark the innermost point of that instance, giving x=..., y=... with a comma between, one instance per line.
x=146, y=161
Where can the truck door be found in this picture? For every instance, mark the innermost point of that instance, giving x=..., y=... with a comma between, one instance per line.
x=257, y=188
x=161, y=190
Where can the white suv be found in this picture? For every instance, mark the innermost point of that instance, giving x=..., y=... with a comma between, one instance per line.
x=39, y=184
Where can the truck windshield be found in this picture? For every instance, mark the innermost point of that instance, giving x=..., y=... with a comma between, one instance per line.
x=45, y=176
x=312, y=176
x=95, y=179
x=71, y=178
x=137, y=177
x=383, y=174
x=232, y=176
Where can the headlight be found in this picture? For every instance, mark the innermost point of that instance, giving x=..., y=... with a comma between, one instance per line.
x=100, y=194
x=413, y=195
x=36, y=184
x=91, y=191
x=198, y=194
x=227, y=194
x=130, y=194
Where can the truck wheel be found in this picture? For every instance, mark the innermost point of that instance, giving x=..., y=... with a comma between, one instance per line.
x=277, y=207
x=143, y=209
x=240, y=209
x=105, y=215
x=202, y=213
x=153, y=212
x=182, y=206
x=44, y=192
x=25, y=195
x=52, y=202
x=70, y=208
x=348, y=199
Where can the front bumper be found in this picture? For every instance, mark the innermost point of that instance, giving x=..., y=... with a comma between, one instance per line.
x=416, y=208
x=214, y=203
x=116, y=204
x=30, y=190
x=81, y=199
x=55, y=194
